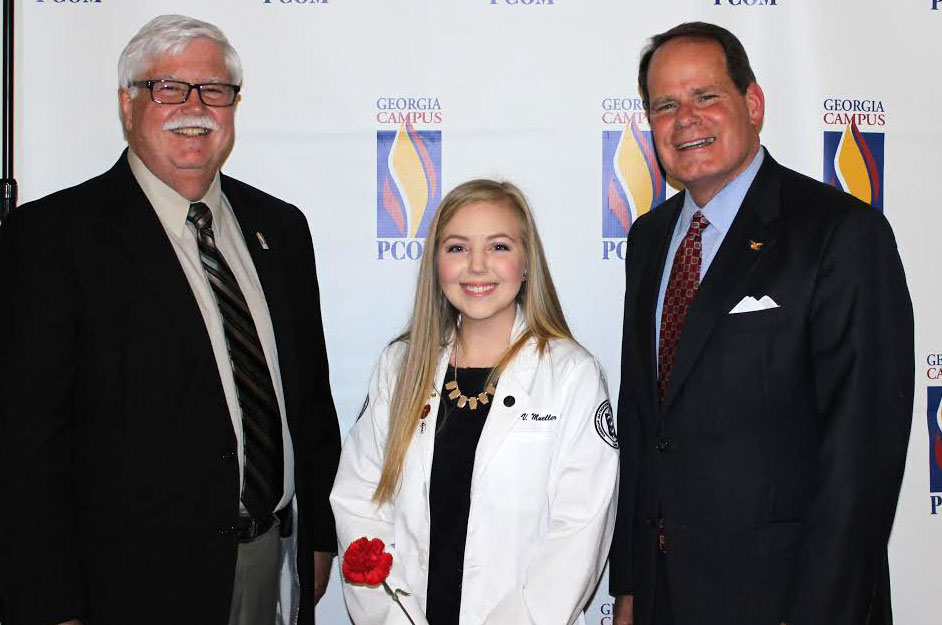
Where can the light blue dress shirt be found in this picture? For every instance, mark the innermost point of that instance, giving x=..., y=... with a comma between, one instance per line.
x=720, y=212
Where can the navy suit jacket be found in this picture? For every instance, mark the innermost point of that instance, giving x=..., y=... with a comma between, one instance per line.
x=776, y=457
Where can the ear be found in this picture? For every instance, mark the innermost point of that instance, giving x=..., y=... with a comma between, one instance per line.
x=755, y=102
x=126, y=102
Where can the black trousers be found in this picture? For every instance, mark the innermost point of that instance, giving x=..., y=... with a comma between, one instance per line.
x=880, y=612
x=662, y=601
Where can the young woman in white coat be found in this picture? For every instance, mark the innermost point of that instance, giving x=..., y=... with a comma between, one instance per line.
x=485, y=457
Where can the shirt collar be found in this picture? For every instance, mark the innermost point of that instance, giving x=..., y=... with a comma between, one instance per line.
x=722, y=209
x=170, y=206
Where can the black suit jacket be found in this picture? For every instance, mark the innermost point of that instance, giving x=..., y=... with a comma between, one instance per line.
x=117, y=455
x=777, y=455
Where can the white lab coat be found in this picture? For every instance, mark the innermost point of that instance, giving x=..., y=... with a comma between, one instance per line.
x=543, y=494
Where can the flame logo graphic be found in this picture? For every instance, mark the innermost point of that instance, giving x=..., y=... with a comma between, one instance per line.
x=634, y=183
x=856, y=168
x=410, y=185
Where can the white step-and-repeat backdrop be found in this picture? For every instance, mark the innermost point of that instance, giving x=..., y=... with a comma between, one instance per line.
x=543, y=93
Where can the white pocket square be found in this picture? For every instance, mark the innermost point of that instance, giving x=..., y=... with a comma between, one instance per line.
x=751, y=304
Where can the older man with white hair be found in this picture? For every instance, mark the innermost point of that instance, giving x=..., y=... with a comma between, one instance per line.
x=165, y=391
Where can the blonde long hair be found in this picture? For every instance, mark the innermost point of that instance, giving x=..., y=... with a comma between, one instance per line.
x=434, y=319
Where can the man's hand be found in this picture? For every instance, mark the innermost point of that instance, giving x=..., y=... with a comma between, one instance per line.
x=624, y=611
x=322, y=562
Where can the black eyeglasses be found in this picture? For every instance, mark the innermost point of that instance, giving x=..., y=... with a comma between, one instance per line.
x=177, y=92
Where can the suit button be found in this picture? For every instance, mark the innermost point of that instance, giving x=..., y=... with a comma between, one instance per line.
x=225, y=530
x=509, y=401
x=663, y=445
x=229, y=455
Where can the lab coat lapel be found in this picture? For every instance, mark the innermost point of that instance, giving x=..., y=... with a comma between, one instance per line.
x=426, y=435
x=515, y=382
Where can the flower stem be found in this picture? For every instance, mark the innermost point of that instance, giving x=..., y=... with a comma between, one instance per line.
x=395, y=597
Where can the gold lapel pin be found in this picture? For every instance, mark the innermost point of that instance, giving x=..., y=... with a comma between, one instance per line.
x=261, y=240
x=754, y=245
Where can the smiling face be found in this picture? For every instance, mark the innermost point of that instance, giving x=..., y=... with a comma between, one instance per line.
x=182, y=144
x=481, y=262
x=705, y=130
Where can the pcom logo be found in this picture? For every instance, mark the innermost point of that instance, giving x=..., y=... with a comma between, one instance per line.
x=632, y=180
x=853, y=158
x=934, y=420
x=408, y=175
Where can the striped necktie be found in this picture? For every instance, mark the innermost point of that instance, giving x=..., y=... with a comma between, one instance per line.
x=261, y=418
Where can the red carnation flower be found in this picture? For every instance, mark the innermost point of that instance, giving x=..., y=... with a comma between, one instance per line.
x=366, y=562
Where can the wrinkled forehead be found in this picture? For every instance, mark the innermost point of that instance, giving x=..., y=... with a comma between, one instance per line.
x=198, y=60
x=692, y=61
x=689, y=49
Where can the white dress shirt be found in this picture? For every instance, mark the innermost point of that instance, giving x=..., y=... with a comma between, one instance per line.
x=172, y=209
x=720, y=212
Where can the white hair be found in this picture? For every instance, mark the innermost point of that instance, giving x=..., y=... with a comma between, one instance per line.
x=170, y=35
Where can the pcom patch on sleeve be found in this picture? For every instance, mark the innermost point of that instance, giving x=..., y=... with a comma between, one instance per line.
x=605, y=424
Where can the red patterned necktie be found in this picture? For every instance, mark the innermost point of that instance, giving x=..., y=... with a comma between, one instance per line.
x=682, y=285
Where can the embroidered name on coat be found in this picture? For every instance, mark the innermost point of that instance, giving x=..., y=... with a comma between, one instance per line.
x=535, y=416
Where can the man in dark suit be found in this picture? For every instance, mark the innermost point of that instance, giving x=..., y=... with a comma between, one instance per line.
x=767, y=370
x=165, y=389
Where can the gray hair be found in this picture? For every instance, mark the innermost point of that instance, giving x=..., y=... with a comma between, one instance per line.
x=171, y=34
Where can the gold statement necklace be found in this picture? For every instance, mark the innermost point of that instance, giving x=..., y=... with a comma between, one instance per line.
x=463, y=399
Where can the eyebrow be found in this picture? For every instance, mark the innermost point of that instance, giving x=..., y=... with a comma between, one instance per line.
x=174, y=77
x=499, y=235
x=701, y=90
x=695, y=92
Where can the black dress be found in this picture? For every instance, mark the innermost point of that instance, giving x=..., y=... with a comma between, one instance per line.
x=456, y=438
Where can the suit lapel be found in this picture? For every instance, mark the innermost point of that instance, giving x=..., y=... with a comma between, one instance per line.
x=724, y=284
x=649, y=287
x=269, y=265
x=140, y=234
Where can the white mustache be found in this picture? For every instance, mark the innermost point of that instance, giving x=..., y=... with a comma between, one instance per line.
x=192, y=121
